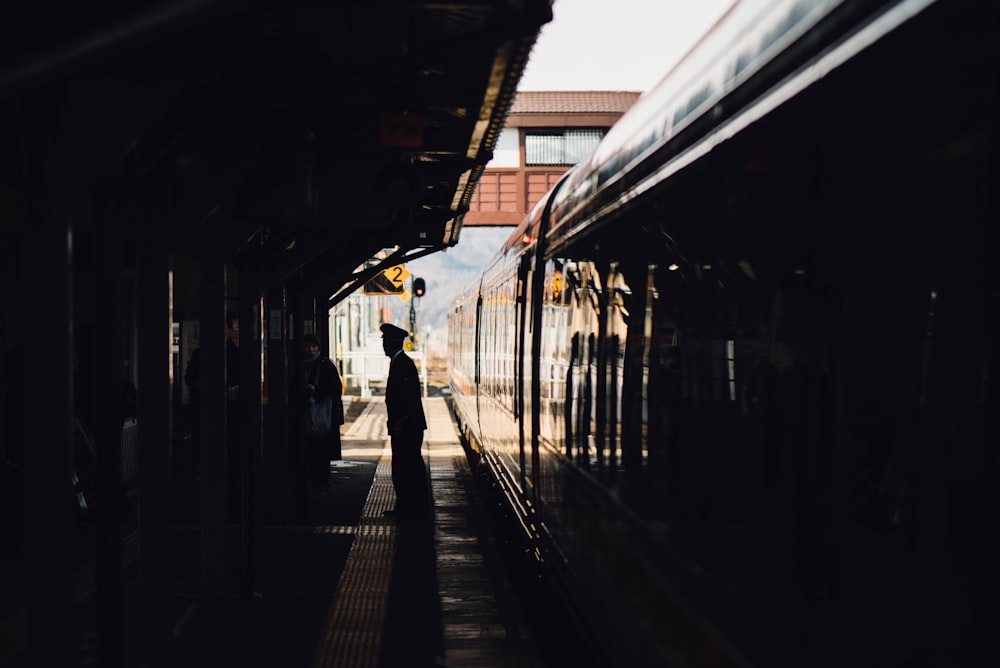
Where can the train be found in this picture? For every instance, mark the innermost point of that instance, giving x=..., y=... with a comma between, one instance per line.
x=729, y=381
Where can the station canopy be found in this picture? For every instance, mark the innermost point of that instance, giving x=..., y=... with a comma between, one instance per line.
x=298, y=137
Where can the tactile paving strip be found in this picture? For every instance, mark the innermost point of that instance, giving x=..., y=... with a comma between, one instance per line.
x=352, y=633
x=475, y=632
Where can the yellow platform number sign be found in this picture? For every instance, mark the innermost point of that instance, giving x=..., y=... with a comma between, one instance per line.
x=390, y=282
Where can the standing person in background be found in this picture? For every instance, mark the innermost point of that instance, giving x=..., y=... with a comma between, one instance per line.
x=324, y=417
x=406, y=425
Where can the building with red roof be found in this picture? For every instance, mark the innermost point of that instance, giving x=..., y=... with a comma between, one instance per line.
x=546, y=133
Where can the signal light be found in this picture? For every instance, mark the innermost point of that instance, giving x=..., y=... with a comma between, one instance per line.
x=419, y=287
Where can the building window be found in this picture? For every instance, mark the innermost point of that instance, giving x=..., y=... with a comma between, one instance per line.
x=506, y=153
x=560, y=147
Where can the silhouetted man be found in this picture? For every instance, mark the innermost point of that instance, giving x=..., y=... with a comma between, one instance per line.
x=406, y=426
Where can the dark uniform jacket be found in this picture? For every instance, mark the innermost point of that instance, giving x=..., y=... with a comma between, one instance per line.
x=402, y=396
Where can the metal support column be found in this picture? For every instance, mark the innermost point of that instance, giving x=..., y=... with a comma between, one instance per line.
x=155, y=429
x=250, y=412
x=49, y=531
x=214, y=482
x=296, y=397
x=110, y=331
x=276, y=455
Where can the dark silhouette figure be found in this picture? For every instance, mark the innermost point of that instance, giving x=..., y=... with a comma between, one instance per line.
x=322, y=441
x=406, y=424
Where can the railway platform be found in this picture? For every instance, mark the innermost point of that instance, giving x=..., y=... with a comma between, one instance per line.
x=351, y=587
x=345, y=585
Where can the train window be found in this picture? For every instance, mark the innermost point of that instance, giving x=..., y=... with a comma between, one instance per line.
x=581, y=365
x=616, y=333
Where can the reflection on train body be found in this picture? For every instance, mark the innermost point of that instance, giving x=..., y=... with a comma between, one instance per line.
x=728, y=376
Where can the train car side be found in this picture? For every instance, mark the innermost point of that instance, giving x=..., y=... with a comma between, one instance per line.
x=748, y=385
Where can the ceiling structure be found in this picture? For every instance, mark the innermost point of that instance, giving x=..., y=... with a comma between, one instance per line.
x=302, y=137
x=148, y=149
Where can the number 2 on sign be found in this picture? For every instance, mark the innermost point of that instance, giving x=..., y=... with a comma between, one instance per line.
x=396, y=274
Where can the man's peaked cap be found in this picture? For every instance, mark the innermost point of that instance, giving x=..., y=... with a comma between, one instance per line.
x=390, y=331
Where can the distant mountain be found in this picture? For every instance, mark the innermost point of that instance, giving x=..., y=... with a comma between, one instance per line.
x=448, y=274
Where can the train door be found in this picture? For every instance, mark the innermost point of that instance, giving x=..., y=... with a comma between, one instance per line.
x=477, y=360
x=522, y=382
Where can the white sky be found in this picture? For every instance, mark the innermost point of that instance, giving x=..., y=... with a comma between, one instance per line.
x=615, y=44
